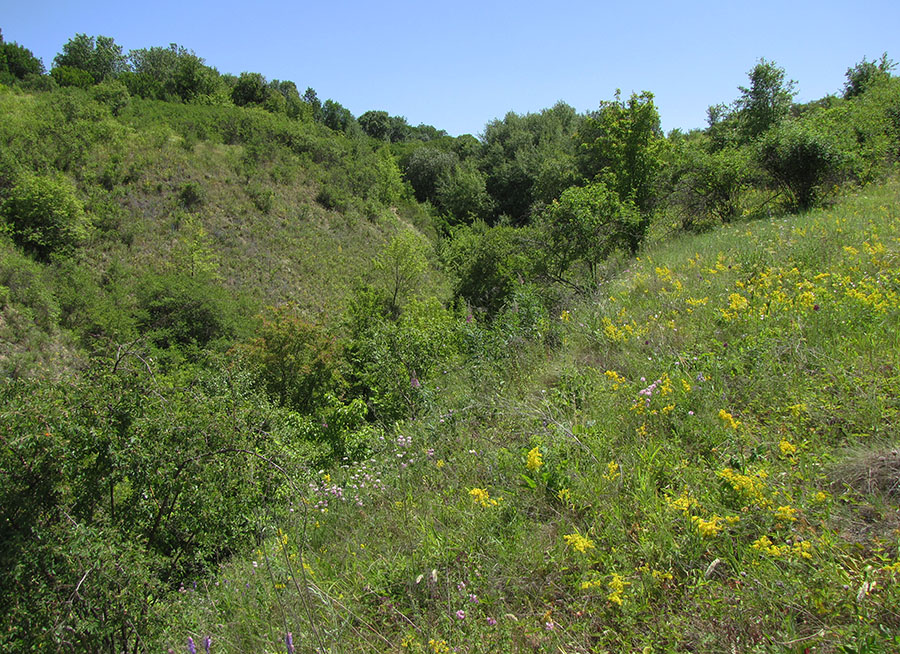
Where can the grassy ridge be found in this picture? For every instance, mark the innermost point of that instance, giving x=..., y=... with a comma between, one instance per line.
x=707, y=460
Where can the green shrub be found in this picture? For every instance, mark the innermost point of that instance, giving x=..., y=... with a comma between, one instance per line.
x=800, y=160
x=44, y=215
x=294, y=360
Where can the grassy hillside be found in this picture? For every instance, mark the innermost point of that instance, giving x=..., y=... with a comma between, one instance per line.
x=703, y=457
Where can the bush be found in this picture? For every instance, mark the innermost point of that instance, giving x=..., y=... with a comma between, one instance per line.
x=44, y=215
x=800, y=160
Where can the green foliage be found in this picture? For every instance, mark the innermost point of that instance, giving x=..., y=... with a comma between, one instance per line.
x=44, y=215
x=490, y=263
x=514, y=154
x=173, y=72
x=71, y=76
x=710, y=184
x=621, y=144
x=800, y=160
x=462, y=194
x=112, y=93
x=100, y=56
x=587, y=224
x=401, y=266
x=250, y=88
x=177, y=309
x=376, y=124
x=766, y=101
x=296, y=361
x=17, y=62
x=866, y=74
x=425, y=167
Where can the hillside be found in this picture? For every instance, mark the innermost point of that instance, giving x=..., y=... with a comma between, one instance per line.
x=274, y=377
x=707, y=458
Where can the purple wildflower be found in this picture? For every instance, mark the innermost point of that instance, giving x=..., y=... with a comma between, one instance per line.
x=289, y=642
x=191, y=647
x=460, y=615
x=207, y=642
x=491, y=622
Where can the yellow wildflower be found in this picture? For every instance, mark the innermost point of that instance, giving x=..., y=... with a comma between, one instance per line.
x=482, y=497
x=612, y=471
x=535, y=459
x=578, y=542
x=787, y=448
x=785, y=513
x=708, y=528
x=728, y=419
x=616, y=586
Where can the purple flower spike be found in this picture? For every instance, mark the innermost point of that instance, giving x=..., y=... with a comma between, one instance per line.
x=191, y=647
x=207, y=642
x=289, y=642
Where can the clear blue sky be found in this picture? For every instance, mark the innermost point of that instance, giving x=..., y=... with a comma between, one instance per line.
x=458, y=65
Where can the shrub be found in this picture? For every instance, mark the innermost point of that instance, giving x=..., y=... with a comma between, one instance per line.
x=800, y=160
x=294, y=360
x=45, y=215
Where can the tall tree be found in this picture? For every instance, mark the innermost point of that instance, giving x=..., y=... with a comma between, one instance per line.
x=100, y=56
x=622, y=145
x=866, y=73
x=766, y=101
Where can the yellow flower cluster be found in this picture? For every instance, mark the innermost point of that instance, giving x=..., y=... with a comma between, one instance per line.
x=751, y=487
x=708, y=528
x=616, y=586
x=801, y=549
x=535, y=460
x=439, y=646
x=612, y=471
x=482, y=497
x=682, y=503
x=787, y=448
x=728, y=419
x=616, y=378
x=578, y=542
x=786, y=513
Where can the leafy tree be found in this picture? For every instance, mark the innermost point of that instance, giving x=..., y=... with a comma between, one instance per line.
x=100, y=56
x=866, y=73
x=310, y=98
x=376, y=124
x=622, y=145
x=68, y=76
x=766, y=101
x=587, y=224
x=800, y=159
x=173, y=72
x=338, y=118
x=424, y=169
x=296, y=361
x=709, y=183
x=402, y=264
x=45, y=215
x=17, y=62
x=112, y=93
x=462, y=194
x=250, y=88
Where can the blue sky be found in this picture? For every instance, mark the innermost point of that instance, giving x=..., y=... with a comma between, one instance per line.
x=458, y=65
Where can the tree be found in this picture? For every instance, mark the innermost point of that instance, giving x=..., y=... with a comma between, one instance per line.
x=296, y=361
x=173, y=72
x=866, y=73
x=376, y=124
x=425, y=167
x=587, y=224
x=622, y=145
x=766, y=101
x=800, y=159
x=99, y=56
x=251, y=88
x=17, y=61
x=402, y=264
